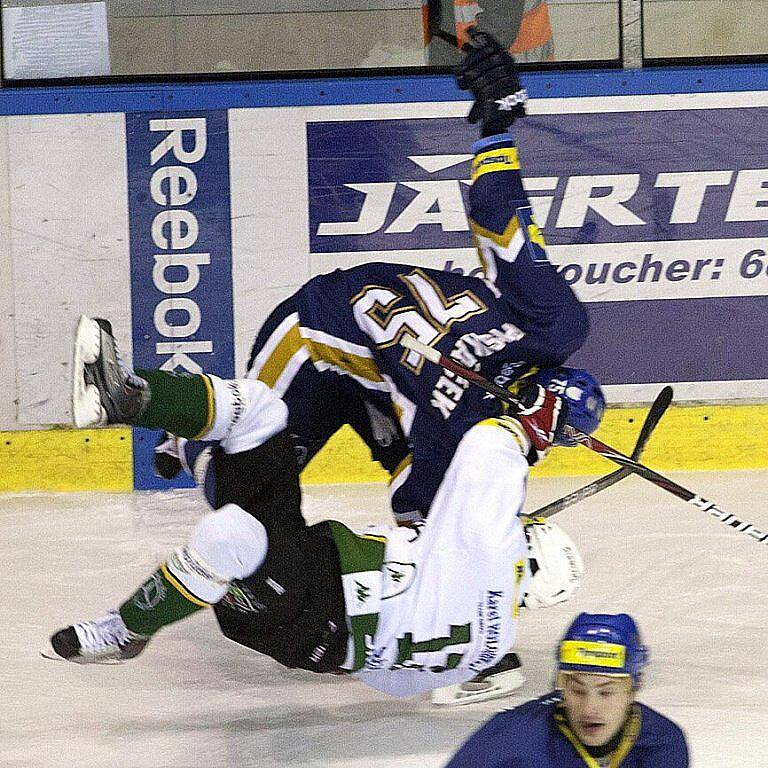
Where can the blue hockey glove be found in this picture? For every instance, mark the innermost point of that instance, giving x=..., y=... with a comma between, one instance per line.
x=489, y=72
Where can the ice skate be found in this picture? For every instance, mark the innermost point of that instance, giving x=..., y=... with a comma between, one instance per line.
x=499, y=680
x=104, y=389
x=104, y=641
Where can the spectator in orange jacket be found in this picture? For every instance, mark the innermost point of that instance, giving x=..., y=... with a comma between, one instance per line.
x=522, y=25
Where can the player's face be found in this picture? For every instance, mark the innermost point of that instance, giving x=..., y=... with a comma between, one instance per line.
x=597, y=706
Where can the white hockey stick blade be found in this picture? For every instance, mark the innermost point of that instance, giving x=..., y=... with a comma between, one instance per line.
x=492, y=687
x=87, y=410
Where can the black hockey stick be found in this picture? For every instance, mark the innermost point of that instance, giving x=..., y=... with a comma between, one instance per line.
x=656, y=411
x=702, y=504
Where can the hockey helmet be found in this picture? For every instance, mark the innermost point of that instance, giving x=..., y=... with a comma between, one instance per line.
x=586, y=402
x=603, y=644
x=554, y=562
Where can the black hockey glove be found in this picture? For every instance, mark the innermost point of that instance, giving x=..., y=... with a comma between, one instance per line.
x=490, y=73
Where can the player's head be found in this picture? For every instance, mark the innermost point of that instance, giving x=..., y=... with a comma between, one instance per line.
x=586, y=402
x=599, y=661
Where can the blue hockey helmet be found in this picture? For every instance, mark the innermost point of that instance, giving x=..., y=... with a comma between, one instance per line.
x=603, y=644
x=586, y=402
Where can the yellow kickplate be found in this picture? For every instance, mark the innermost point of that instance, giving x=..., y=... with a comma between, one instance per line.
x=687, y=438
x=711, y=437
x=66, y=460
x=698, y=437
x=344, y=459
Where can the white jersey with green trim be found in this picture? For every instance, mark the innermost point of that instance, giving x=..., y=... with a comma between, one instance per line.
x=446, y=597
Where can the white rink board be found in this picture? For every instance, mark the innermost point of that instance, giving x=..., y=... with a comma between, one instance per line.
x=7, y=350
x=69, y=245
x=64, y=234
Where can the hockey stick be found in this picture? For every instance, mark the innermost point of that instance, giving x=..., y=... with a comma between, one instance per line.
x=702, y=504
x=656, y=411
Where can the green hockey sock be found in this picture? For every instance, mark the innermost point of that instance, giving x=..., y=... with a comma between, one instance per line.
x=160, y=600
x=180, y=404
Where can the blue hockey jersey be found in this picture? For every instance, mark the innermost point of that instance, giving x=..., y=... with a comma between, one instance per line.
x=535, y=735
x=520, y=315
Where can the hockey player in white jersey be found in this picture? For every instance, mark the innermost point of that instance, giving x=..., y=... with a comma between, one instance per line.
x=331, y=349
x=404, y=609
x=467, y=517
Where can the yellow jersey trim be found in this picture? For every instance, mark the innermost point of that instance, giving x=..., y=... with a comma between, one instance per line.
x=181, y=589
x=628, y=739
x=401, y=467
x=493, y=160
x=211, y=406
x=285, y=349
x=502, y=239
x=348, y=362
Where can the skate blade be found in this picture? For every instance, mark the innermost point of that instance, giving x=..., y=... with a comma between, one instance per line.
x=51, y=655
x=493, y=687
x=87, y=410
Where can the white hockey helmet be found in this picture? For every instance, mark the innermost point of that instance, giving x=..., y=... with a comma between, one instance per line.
x=555, y=563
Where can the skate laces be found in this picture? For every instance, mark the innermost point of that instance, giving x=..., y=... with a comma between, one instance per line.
x=131, y=379
x=105, y=635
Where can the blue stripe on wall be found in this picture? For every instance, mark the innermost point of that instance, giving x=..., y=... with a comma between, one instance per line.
x=369, y=90
x=181, y=251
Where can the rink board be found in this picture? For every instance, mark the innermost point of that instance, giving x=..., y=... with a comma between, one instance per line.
x=185, y=213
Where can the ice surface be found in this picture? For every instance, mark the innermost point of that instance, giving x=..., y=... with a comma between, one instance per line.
x=193, y=699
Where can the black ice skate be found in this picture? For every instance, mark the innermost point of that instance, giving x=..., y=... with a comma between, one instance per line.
x=104, y=388
x=499, y=680
x=104, y=641
x=167, y=456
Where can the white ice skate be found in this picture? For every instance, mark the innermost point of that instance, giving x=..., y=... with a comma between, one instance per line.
x=105, y=640
x=493, y=683
x=104, y=388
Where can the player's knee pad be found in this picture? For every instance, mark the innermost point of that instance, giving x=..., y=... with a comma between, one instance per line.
x=226, y=544
x=246, y=414
x=231, y=541
x=555, y=564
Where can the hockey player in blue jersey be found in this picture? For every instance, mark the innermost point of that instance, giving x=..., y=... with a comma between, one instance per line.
x=332, y=350
x=344, y=330
x=592, y=720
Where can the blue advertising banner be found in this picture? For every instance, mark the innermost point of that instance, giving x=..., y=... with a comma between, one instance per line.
x=656, y=217
x=181, y=251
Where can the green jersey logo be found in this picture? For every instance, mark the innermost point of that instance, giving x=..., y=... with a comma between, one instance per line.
x=363, y=592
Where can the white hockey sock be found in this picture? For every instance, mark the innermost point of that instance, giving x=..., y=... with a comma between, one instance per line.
x=247, y=414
